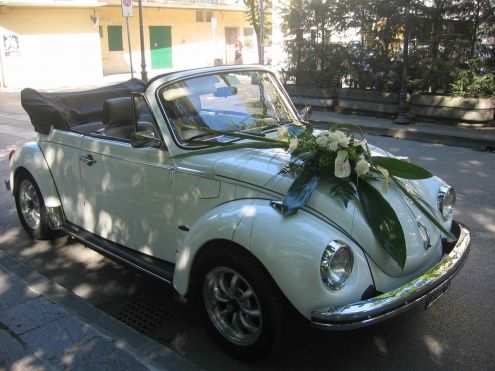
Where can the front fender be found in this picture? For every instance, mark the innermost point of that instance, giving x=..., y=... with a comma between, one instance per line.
x=219, y=223
x=291, y=248
x=31, y=158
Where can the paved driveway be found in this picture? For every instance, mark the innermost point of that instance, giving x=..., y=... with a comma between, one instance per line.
x=457, y=333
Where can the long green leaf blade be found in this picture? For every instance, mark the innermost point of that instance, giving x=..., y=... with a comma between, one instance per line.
x=383, y=221
x=401, y=168
x=423, y=209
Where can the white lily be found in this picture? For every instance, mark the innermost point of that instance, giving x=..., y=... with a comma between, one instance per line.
x=386, y=177
x=342, y=164
x=293, y=144
x=283, y=134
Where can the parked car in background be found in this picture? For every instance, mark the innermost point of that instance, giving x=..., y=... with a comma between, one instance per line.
x=140, y=173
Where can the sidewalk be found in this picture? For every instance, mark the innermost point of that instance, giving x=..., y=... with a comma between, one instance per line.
x=45, y=327
x=481, y=139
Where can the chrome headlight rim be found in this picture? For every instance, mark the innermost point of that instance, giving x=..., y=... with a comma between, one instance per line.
x=332, y=278
x=446, y=193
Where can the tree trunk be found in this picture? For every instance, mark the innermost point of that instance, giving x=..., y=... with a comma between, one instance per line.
x=476, y=23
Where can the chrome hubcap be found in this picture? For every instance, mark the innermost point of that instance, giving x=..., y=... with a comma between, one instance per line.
x=232, y=305
x=29, y=203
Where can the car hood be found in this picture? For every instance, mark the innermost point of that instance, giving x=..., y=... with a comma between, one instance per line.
x=263, y=169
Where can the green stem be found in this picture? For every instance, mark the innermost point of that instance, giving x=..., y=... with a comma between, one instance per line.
x=423, y=209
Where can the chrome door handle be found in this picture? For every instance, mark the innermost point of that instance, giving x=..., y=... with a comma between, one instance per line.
x=88, y=160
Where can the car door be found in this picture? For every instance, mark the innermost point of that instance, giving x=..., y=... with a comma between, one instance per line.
x=62, y=150
x=128, y=195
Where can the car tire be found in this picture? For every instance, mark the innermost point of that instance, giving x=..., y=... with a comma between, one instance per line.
x=31, y=207
x=263, y=330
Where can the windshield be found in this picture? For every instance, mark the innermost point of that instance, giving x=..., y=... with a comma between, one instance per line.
x=249, y=102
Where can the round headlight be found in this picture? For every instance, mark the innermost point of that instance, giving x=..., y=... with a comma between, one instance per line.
x=446, y=201
x=336, y=264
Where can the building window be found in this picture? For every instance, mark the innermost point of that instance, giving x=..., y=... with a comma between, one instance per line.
x=115, y=38
x=204, y=15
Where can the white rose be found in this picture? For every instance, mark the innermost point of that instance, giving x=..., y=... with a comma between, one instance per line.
x=342, y=164
x=344, y=140
x=334, y=136
x=362, y=167
x=337, y=139
x=283, y=133
x=333, y=146
x=293, y=143
x=322, y=140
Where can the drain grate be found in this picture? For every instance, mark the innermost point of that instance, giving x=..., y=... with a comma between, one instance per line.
x=143, y=314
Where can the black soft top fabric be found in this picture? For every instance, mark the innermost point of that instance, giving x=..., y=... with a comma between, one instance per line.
x=68, y=109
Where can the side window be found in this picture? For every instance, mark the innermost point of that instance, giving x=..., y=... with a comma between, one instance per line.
x=115, y=38
x=145, y=122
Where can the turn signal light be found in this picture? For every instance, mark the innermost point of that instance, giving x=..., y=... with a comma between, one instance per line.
x=11, y=154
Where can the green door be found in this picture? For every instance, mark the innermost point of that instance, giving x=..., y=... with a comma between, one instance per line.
x=161, y=46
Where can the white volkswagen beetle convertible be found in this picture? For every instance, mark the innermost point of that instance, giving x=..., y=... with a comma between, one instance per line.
x=187, y=178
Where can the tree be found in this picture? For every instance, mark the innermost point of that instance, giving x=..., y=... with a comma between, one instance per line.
x=444, y=36
x=254, y=19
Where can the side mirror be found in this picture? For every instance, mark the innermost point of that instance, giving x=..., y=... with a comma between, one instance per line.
x=305, y=113
x=144, y=139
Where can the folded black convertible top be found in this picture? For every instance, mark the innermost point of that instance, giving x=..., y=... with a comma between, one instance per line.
x=65, y=110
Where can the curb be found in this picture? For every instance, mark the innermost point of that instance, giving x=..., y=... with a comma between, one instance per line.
x=150, y=353
x=411, y=133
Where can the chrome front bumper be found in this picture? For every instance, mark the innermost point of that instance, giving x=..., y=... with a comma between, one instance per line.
x=423, y=290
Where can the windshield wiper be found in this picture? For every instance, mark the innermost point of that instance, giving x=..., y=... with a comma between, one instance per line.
x=213, y=136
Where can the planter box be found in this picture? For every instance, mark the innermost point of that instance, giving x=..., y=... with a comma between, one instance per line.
x=312, y=96
x=453, y=108
x=367, y=101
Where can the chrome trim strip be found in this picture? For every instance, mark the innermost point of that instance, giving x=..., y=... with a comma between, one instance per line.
x=190, y=171
x=367, y=312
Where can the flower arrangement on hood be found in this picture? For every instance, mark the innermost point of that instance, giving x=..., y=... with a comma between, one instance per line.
x=337, y=152
x=353, y=173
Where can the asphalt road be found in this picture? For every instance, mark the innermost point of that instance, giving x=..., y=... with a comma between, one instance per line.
x=456, y=333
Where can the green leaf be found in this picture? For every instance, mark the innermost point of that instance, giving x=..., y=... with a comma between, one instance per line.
x=401, y=169
x=342, y=189
x=423, y=209
x=383, y=221
x=301, y=189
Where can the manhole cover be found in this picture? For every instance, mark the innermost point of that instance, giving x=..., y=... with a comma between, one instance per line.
x=143, y=314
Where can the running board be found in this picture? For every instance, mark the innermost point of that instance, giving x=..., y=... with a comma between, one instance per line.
x=155, y=267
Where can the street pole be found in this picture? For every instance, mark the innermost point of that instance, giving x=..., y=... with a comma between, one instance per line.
x=403, y=116
x=129, y=45
x=144, y=74
x=261, y=51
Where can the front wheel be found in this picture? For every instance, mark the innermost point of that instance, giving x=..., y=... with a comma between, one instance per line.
x=243, y=307
x=31, y=208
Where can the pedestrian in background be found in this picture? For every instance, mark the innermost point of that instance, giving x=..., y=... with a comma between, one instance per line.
x=238, y=52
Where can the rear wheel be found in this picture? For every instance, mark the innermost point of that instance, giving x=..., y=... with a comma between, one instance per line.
x=242, y=307
x=31, y=207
